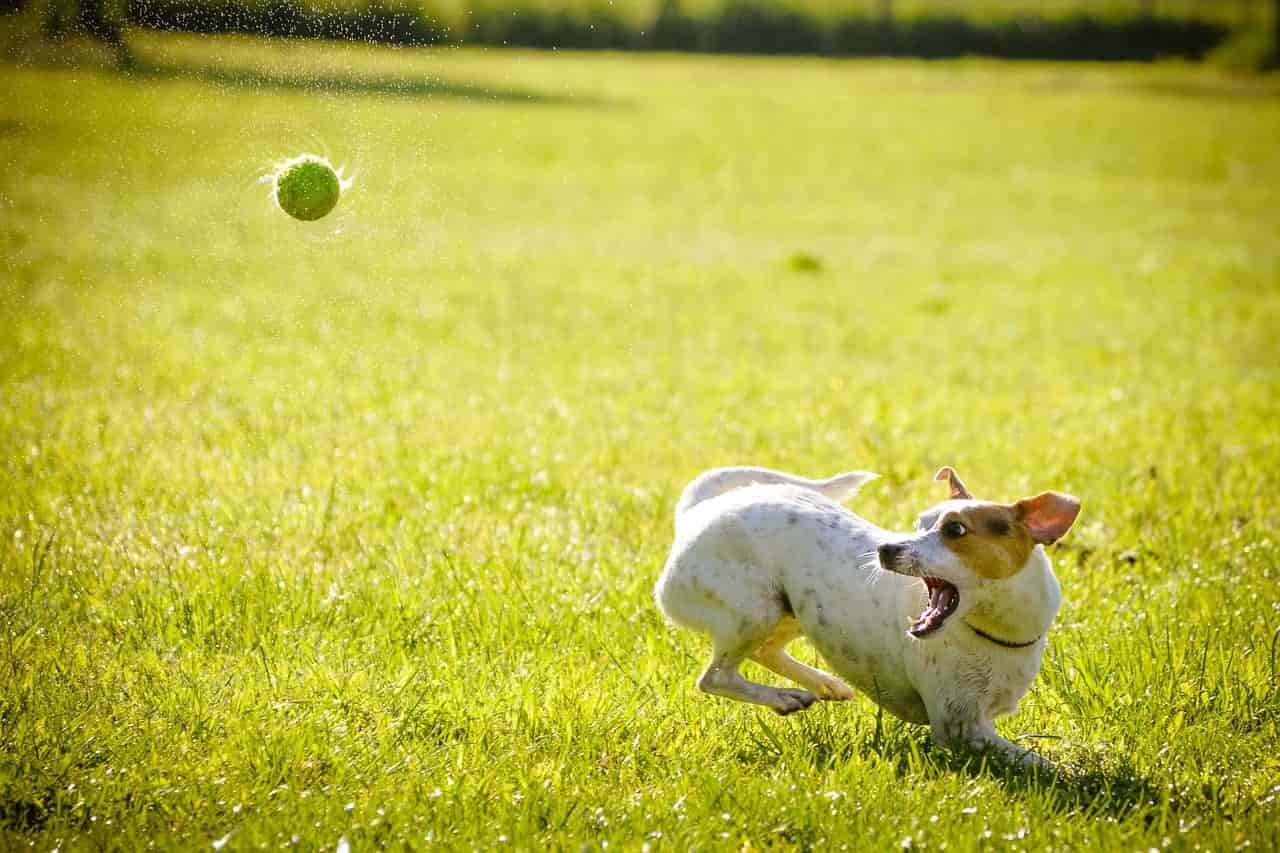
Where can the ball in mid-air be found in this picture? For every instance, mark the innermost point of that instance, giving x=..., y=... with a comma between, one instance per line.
x=307, y=187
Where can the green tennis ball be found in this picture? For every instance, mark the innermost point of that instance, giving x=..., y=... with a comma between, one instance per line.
x=307, y=187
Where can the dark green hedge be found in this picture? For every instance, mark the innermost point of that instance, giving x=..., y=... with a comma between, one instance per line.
x=740, y=26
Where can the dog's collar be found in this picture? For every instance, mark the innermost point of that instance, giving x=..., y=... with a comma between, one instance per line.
x=999, y=642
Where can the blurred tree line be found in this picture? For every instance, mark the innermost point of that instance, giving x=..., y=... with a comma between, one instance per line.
x=1049, y=29
x=102, y=19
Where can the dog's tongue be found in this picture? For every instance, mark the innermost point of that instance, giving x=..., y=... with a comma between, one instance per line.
x=934, y=615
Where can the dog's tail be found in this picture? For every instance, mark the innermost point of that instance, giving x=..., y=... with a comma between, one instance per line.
x=720, y=480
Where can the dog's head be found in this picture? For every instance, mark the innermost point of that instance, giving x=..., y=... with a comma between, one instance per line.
x=964, y=548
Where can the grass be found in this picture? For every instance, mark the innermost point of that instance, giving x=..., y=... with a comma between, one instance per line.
x=348, y=529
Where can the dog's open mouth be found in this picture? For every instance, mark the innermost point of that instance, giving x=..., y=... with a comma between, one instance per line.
x=943, y=598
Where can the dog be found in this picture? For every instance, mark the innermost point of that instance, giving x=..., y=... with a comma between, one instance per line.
x=945, y=626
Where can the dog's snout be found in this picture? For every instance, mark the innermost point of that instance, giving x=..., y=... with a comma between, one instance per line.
x=890, y=552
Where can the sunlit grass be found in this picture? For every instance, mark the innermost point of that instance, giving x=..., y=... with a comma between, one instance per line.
x=348, y=528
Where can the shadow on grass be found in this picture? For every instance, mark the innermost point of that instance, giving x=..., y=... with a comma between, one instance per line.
x=1090, y=784
x=1224, y=87
x=387, y=86
x=1214, y=87
x=1093, y=783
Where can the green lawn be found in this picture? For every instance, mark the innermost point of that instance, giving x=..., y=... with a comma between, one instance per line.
x=349, y=528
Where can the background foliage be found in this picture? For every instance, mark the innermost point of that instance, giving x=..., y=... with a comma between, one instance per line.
x=1057, y=29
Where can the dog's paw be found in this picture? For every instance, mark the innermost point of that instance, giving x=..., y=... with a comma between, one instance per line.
x=1034, y=762
x=832, y=689
x=789, y=701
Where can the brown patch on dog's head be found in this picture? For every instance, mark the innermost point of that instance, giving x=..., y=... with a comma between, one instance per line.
x=996, y=540
x=989, y=538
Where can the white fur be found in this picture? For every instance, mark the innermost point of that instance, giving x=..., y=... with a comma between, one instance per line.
x=761, y=557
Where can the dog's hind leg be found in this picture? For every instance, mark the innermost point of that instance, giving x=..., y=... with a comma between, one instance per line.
x=739, y=606
x=772, y=656
x=723, y=679
x=736, y=636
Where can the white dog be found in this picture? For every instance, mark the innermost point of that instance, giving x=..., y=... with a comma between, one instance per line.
x=951, y=635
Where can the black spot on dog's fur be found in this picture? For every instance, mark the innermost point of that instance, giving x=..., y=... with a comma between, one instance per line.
x=785, y=601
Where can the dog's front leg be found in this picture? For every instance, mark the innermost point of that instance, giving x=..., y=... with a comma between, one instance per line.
x=979, y=735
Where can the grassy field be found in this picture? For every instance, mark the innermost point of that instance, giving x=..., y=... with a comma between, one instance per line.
x=349, y=529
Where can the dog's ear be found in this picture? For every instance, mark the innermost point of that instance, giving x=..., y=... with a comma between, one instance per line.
x=1048, y=516
x=953, y=482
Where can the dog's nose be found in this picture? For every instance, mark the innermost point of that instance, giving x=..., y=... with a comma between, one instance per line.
x=889, y=552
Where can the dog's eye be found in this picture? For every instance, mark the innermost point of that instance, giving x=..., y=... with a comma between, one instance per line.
x=954, y=529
